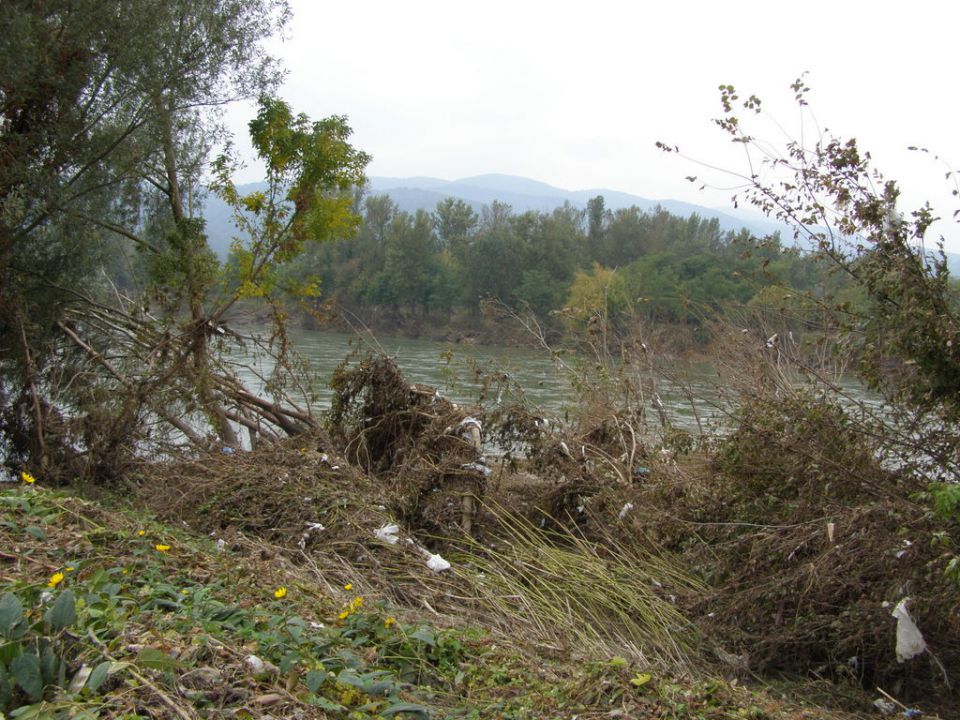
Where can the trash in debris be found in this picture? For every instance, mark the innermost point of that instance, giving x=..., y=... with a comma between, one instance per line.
x=478, y=467
x=437, y=563
x=625, y=509
x=886, y=707
x=903, y=551
x=312, y=527
x=389, y=533
x=471, y=429
x=910, y=642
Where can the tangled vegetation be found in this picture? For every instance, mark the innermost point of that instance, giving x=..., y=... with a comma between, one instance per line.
x=250, y=558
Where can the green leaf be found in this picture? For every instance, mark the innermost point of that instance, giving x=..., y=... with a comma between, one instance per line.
x=378, y=682
x=6, y=687
x=25, y=669
x=98, y=676
x=640, y=679
x=314, y=679
x=64, y=611
x=322, y=702
x=49, y=666
x=425, y=635
x=151, y=657
x=418, y=711
x=35, y=532
x=39, y=711
x=11, y=616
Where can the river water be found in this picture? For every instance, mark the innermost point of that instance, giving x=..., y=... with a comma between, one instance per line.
x=689, y=392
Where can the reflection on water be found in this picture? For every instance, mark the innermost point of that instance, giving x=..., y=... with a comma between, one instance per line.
x=689, y=391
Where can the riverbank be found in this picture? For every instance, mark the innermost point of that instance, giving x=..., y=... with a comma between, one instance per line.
x=385, y=567
x=495, y=325
x=148, y=619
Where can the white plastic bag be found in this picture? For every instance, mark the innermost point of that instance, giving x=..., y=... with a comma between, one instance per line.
x=910, y=642
x=388, y=533
x=437, y=563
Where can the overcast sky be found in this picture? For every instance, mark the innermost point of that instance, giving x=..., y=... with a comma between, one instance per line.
x=575, y=94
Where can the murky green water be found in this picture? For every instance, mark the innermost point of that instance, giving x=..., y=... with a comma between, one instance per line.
x=688, y=392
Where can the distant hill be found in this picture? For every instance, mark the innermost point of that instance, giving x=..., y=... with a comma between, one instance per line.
x=522, y=194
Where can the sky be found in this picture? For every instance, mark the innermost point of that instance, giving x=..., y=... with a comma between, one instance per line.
x=575, y=94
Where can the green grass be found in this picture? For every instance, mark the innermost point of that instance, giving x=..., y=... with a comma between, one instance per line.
x=131, y=631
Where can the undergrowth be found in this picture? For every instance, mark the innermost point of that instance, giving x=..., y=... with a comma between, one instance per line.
x=108, y=614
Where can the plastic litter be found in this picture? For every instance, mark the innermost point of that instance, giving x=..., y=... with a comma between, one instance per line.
x=886, y=707
x=625, y=509
x=478, y=467
x=910, y=642
x=471, y=429
x=437, y=563
x=312, y=527
x=434, y=562
x=389, y=533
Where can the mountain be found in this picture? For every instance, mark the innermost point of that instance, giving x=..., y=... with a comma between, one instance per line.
x=522, y=194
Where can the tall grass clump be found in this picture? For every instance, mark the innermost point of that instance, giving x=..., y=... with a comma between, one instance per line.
x=612, y=599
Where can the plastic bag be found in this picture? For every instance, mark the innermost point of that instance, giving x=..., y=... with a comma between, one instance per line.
x=910, y=642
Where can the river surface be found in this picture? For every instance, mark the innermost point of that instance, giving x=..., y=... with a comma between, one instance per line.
x=689, y=392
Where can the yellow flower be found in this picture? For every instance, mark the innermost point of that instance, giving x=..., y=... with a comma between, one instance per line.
x=389, y=621
x=161, y=548
x=344, y=615
x=141, y=533
x=27, y=478
x=280, y=593
x=348, y=586
x=55, y=579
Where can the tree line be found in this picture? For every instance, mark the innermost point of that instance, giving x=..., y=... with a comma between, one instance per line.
x=568, y=264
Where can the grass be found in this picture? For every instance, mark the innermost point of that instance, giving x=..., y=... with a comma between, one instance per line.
x=200, y=630
x=570, y=590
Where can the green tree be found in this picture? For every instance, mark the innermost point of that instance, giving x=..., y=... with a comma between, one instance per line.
x=408, y=266
x=454, y=220
x=107, y=122
x=906, y=330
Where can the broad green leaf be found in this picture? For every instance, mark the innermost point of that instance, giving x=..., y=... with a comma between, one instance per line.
x=11, y=616
x=314, y=679
x=39, y=711
x=425, y=636
x=157, y=659
x=6, y=686
x=64, y=611
x=98, y=676
x=35, y=532
x=25, y=669
x=49, y=666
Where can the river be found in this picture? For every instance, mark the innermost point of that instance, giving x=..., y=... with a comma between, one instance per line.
x=689, y=392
